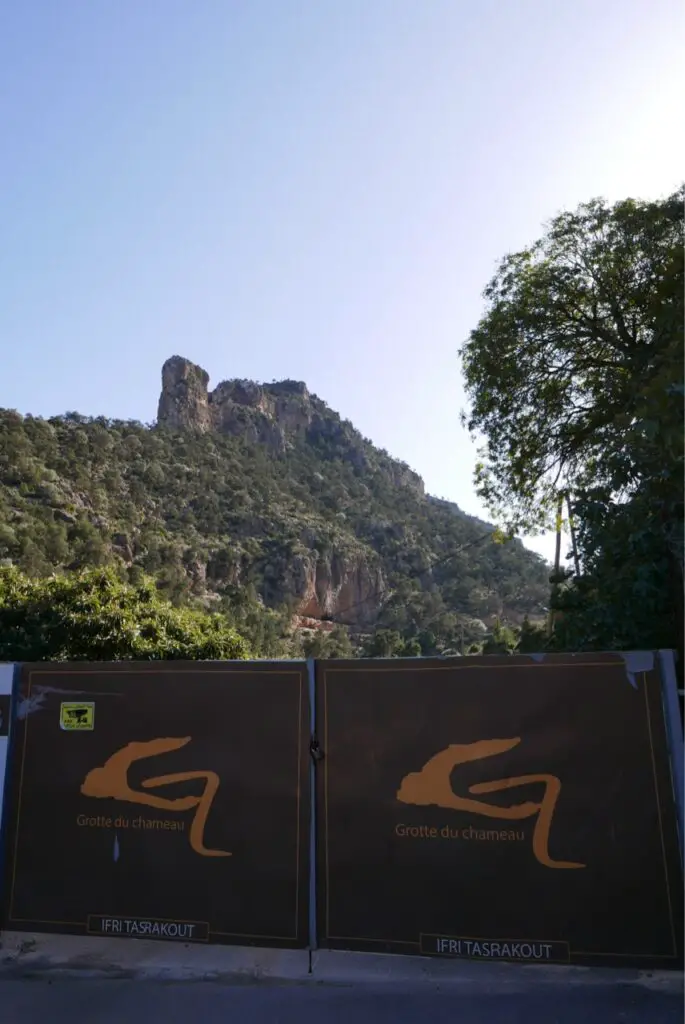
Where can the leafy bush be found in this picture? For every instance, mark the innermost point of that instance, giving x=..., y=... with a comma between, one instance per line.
x=92, y=616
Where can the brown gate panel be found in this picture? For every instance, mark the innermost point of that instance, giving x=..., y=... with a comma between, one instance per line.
x=498, y=808
x=161, y=800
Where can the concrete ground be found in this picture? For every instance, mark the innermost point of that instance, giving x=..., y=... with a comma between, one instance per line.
x=80, y=1000
x=61, y=979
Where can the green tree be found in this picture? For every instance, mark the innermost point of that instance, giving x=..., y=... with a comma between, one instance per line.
x=575, y=378
x=502, y=640
x=411, y=648
x=428, y=643
x=56, y=543
x=630, y=592
x=31, y=559
x=532, y=638
x=574, y=373
x=8, y=540
x=384, y=643
x=92, y=615
x=88, y=544
x=335, y=644
x=388, y=643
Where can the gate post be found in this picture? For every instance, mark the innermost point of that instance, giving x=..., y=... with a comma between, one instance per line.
x=311, y=676
x=674, y=733
x=7, y=673
x=6, y=686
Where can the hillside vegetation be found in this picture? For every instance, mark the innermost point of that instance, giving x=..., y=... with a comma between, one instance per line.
x=230, y=524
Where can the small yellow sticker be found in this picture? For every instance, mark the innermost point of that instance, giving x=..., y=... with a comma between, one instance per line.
x=75, y=717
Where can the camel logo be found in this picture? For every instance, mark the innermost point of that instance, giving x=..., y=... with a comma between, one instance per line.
x=110, y=782
x=432, y=787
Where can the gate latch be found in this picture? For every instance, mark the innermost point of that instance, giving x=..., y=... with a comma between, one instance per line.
x=315, y=750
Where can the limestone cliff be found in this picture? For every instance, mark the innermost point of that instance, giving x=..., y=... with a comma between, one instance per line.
x=347, y=583
x=345, y=586
x=270, y=414
x=183, y=403
x=275, y=415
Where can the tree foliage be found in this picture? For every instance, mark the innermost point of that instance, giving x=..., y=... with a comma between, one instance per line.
x=388, y=643
x=502, y=640
x=333, y=644
x=91, y=615
x=630, y=591
x=575, y=378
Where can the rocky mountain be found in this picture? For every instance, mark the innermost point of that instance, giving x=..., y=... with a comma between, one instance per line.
x=257, y=495
x=277, y=415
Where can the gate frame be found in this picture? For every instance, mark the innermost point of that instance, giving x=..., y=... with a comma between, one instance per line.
x=674, y=738
x=9, y=680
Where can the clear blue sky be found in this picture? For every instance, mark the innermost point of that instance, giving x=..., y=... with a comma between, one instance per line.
x=313, y=189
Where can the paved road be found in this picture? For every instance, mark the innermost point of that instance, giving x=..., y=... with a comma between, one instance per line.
x=82, y=1001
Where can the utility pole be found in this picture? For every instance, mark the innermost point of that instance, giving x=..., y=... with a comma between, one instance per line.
x=576, y=560
x=557, y=563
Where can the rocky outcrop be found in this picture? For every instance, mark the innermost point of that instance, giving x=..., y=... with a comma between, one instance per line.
x=275, y=415
x=403, y=476
x=184, y=403
x=271, y=414
x=347, y=589
x=300, y=622
x=344, y=582
x=345, y=585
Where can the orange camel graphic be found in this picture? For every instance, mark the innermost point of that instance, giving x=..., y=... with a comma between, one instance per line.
x=110, y=781
x=432, y=786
